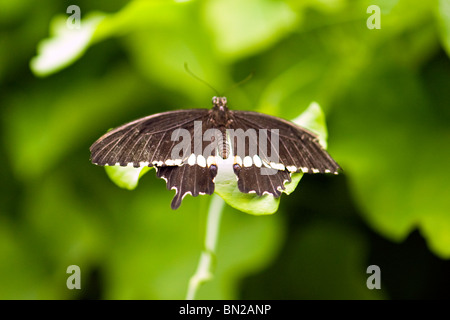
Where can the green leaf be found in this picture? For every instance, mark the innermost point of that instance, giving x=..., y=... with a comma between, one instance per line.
x=322, y=252
x=46, y=107
x=443, y=18
x=226, y=187
x=264, y=22
x=393, y=148
x=65, y=45
x=314, y=120
x=126, y=177
x=249, y=203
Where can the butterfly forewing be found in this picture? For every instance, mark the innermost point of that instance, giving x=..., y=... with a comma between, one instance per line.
x=148, y=141
x=297, y=150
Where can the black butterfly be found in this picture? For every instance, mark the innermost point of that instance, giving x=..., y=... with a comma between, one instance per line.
x=155, y=141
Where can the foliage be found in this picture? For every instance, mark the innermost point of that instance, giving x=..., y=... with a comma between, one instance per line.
x=385, y=96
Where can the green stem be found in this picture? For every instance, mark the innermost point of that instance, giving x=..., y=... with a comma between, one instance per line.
x=204, y=267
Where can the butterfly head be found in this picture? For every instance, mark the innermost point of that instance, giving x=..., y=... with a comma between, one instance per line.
x=220, y=114
x=220, y=103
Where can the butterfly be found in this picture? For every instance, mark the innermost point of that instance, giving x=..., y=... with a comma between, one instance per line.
x=190, y=147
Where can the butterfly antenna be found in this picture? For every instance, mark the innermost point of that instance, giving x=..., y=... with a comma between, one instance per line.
x=200, y=79
x=241, y=82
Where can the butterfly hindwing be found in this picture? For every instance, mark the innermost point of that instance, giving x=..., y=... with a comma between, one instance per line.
x=250, y=180
x=187, y=179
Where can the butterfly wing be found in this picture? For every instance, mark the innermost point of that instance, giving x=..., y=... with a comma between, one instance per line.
x=250, y=180
x=146, y=141
x=149, y=142
x=294, y=150
x=187, y=179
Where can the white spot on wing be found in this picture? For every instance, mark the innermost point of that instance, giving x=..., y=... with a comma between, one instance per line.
x=191, y=160
x=291, y=168
x=304, y=169
x=184, y=195
x=201, y=161
x=257, y=161
x=247, y=161
x=277, y=166
x=170, y=162
x=210, y=161
x=238, y=160
x=315, y=170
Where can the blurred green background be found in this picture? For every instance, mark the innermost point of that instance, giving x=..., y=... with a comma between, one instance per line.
x=385, y=93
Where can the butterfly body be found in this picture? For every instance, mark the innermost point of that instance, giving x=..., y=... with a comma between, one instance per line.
x=190, y=148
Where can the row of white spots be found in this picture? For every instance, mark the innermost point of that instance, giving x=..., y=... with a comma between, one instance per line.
x=247, y=162
x=256, y=160
x=201, y=160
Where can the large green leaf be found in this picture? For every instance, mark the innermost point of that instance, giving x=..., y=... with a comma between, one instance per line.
x=385, y=94
x=443, y=18
x=392, y=146
x=43, y=125
x=264, y=22
x=65, y=46
x=126, y=177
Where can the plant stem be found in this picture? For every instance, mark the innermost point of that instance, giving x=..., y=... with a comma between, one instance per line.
x=204, y=267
